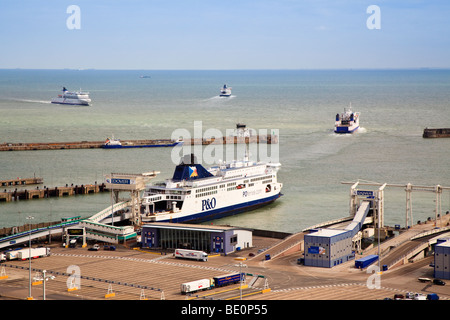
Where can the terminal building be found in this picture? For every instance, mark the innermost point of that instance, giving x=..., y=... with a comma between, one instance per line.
x=330, y=247
x=208, y=238
x=442, y=259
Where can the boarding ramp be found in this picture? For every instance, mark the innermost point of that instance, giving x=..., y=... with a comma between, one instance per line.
x=105, y=232
x=109, y=211
x=94, y=229
x=356, y=225
x=32, y=234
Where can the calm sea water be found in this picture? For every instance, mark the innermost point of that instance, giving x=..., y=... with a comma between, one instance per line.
x=395, y=106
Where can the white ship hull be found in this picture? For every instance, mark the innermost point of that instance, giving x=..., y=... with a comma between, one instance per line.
x=73, y=98
x=82, y=102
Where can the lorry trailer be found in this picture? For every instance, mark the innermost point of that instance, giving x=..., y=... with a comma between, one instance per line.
x=191, y=254
x=205, y=284
x=24, y=254
x=228, y=279
x=366, y=261
x=194, y=286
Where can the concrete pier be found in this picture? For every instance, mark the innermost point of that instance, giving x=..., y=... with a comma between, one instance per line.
x=436, y=133
x=38, y=193
x=269, y=139
x=21, y=181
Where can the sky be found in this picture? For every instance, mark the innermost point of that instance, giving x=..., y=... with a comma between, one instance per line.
x=224, y=35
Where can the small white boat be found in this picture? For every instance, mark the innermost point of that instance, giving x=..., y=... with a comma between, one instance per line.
x=72, y=98
x=347, y=122
x=225, y=91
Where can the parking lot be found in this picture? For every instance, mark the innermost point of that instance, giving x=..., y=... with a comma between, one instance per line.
x=127, y=274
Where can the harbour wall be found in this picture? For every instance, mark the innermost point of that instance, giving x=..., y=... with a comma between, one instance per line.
x=436, y=133
x=40, y=193
x=269, y=139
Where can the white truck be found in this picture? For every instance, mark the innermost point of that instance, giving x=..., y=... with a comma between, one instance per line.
x=194, y=286
x=2, y=257
x=24, y=254
x=191, y=254
x=13, y=254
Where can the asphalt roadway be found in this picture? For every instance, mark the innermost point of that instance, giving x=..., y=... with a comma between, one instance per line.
x=127, y=274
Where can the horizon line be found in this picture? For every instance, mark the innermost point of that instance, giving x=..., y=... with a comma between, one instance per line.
x=237, y=69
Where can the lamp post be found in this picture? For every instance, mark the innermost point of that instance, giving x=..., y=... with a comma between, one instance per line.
x=240, y=259
x=44, y=279
x=29, y=218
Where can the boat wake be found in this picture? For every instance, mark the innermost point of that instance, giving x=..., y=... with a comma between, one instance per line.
x=220, y=98
x=31, y=101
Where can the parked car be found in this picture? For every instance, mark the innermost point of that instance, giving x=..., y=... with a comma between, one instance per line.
x=432, y=296
x=95, y=247
x=399, y=296
x=409, y=295
x=439, y=282
x=111, y=248
x=419, y=296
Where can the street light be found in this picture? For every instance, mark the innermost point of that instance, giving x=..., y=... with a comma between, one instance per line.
x=29, y=218
x=44, y=279
x=240, y=259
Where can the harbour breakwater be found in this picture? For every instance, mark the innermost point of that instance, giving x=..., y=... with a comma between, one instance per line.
x=45, y=192
x=436, y=133
x=269, y=139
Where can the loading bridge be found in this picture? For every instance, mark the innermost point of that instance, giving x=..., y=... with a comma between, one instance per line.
x=93, y=228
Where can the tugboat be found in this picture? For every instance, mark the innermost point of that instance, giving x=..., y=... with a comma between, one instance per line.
x=347, y=122
x=72, y=98
x=225, y=91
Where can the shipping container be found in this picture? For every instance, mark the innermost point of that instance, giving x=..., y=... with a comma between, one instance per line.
x=33, y=253
x=228, y=279
x=366, y=261
x=191, y=254
x=13, y=254
x=194, y=286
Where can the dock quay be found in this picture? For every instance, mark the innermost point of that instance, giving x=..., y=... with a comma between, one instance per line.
x=436, y=133
x=21, y=181
x=286, y=280
x=28, y=146
x=46, y=192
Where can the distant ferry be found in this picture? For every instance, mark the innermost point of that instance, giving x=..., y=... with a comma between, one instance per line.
x=196, y=194
x=225, y=91
x=112, y=143
x=347, y=122
x=73, y=98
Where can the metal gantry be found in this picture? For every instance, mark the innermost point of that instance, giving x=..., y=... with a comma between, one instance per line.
x=409, y=188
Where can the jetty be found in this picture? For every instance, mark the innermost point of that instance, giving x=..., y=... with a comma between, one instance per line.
x=436, y=133
x=40, y=193
x=21, y=181
x=27, y=146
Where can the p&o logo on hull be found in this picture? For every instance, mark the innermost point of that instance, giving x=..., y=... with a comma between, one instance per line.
x=208, y=204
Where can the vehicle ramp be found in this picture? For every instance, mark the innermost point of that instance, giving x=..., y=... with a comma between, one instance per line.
x=358, y=221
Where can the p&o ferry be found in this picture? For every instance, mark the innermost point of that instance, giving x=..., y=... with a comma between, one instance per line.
x=73, y=98
x=196, y=194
